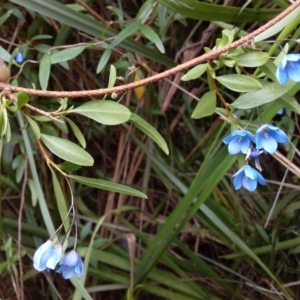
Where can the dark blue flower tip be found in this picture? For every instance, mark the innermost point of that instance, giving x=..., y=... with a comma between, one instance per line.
x=71, y=265
x=281, y=111
x=267, y=137
x=254, y=153
x=19, y=58
x=248, y=178
x=47, y=256
x=239, y=141
x=289, y=67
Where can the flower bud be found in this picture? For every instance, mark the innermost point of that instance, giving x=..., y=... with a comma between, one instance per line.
x=19, y=58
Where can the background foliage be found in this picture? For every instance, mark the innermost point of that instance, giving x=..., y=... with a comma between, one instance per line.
x=193, y=237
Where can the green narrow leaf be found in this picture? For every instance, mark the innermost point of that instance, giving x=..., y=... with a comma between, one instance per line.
x=112, y=76
x=68, y=166
x=7, y=132
x=129, y=30
x=252, y=59
x=152, y=36
x=33, y=192
x=239, y=83
x=80, y=289
x=32, y=164
x=149, y=130
x=60, y=200
x=44, y=71
x=34, y=126
x=4, y=54
x=214, y=12
x=20, y=169
x=108, y=186
x=22, y=99
x=67, y=150
x=77, y=132
x=66, y=54
x=293, y=16
x=269, y=92
x=42, y=37
x=194, y=73
x=16, y=161
x=103, y=60
x=5, y=16
x=106, y=112
x=289, y=102
x=206, y=105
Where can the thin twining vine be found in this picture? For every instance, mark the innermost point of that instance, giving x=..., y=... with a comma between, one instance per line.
x=214, y=54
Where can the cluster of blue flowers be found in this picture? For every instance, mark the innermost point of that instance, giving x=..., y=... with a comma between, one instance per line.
x=266, y=140
x=48, y=255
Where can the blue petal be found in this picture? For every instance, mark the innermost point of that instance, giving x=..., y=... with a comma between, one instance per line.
x=79, y=268
x=258, y=140
x=250, y=172
x=238, y=178
x=281, y=111
x=292, y=57
x=282, y=76
x=249, y=184
x=255, y=153
x=238, y=182
x=234, y=146
x=245, y=145
x=261, y=128
x=55, y=257
x=71, y=259
x=251, y=136
x=44, y=248
x=279, y=135
x=228, y=139
x=281, y=72
x=260, y=179
x=283, y=62
x=45, y=257
x=269, y=144
x=241, y=132
x=272, y=127
x=67, y=272
x=293, y=71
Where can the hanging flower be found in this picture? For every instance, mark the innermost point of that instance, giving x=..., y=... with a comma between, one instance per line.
x=239, y=140
x=47, y=256
x=71, y=265
x=267, y=137
x=248, y=178
x=289, y=67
